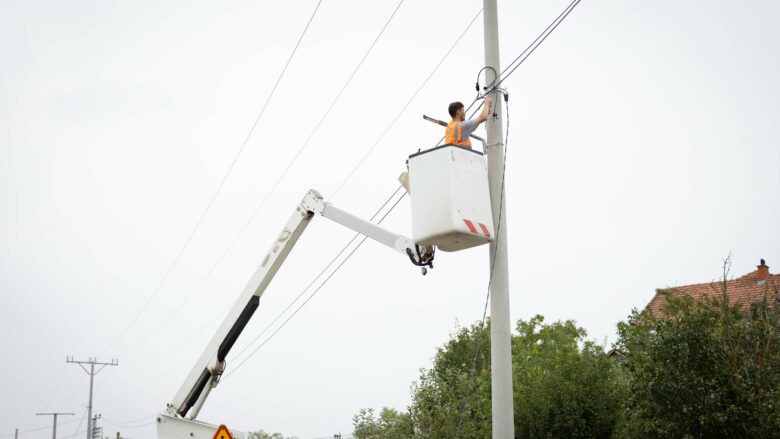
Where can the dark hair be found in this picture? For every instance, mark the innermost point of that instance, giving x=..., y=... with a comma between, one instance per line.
x=454, y=107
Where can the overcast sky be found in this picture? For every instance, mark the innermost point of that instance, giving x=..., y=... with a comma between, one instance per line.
x=643, y=149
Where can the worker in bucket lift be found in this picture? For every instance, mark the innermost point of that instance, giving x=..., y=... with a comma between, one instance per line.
x=459, y=129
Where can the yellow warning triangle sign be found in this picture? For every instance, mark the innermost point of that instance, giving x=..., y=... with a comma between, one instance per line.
x=223, y=433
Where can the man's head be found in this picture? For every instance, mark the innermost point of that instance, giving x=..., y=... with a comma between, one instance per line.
x=457, y=112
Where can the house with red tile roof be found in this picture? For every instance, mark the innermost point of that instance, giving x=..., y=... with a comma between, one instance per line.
x=743, y=290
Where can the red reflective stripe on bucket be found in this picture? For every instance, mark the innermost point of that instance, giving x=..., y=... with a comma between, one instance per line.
x=470, y=225
x=484, y=230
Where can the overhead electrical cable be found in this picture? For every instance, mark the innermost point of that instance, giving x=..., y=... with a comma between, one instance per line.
x=546, y=31
x=192, y=336
x=46, y=427
x=56, y=388
x=534, y=45
x=224, y=254
x=75, y=390
x=133, y=425
x=79, y=426
x=221, y=315
x=286, y=170
x=520, y=59
x=132, y=421
x=319, y=287
x=357, y=166
x=412, y=98
x=219, y=187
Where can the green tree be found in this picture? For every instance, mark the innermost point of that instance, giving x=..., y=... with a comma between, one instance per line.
x=452, y=398
x=703, y=370
x=390, y=424
x=565, y=386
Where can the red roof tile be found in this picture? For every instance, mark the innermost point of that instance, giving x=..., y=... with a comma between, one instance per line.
x=742, y=290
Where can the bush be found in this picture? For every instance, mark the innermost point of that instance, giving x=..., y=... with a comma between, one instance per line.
x=703, y=370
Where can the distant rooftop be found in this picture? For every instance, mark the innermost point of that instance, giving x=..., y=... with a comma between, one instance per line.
x=744, y=290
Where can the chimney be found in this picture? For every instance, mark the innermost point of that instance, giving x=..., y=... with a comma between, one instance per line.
x=763, y=273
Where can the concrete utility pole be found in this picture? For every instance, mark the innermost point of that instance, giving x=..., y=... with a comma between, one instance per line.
x=16, y=433
x=54, y=422
x=500, y=325
x=91, y=372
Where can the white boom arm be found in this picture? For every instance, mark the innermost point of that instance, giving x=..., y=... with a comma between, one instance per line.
x=206, y=372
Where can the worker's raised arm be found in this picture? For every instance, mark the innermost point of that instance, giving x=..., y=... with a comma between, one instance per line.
x=483, y=116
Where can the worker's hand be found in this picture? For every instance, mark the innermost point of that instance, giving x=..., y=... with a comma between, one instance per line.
x=485, y=110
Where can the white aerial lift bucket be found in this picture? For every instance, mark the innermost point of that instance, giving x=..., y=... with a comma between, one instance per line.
x=450, y=198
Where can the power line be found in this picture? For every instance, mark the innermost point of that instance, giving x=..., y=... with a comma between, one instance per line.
x=221, y=315
x=79, y=426
x=557, y=19
x=218, y=190
x=521, y=58
x=287, y=169
x=130, y=427
x=535, y=44
x=313, y=293
x=217, y=316
x=414, y=95
x=75, y=390
x=130, y=422
x=32, y=430
x=56, y=388
x=494, y=88
x=322, y=118
x=354, y=169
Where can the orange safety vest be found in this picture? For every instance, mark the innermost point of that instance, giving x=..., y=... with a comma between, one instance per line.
x=454, y=132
